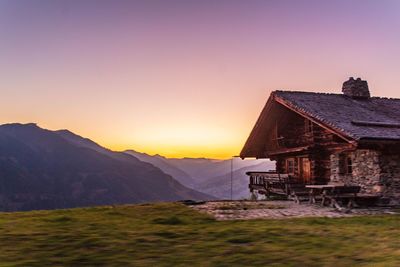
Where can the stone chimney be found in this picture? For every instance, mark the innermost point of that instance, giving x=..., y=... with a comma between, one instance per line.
x=357, y=89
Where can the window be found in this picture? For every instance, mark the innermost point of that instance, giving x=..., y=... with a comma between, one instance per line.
x=345, y=164
x=349, y=165
x=308, y=126
x=290, y=166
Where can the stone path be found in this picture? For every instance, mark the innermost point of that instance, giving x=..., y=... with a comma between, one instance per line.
x=245, y=210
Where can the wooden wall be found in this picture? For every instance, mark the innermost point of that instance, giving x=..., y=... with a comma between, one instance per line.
x=291, y=131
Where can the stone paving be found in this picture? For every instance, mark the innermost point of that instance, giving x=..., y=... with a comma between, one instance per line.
x=246, y=210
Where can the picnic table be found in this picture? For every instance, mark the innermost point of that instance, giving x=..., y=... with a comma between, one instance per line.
x=334, y=194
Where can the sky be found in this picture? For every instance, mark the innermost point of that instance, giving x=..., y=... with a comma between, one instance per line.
x=184, y=78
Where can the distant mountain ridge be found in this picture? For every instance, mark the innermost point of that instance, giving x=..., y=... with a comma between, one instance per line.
x=208, y=175
x=220, y=186
x=166, y=166
x=43, y=169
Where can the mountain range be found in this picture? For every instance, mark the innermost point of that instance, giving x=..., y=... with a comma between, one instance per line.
x=220, y=186
x=43, y=169
x=210, y=176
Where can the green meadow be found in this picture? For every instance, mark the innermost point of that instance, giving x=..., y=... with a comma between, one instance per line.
x=171, y=234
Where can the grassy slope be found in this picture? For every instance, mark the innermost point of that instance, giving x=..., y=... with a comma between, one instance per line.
x=172, y=234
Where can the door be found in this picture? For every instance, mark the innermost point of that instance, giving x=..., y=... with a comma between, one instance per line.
x=305, y=170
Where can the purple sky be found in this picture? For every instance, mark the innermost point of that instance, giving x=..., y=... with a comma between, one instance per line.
x=184, y=78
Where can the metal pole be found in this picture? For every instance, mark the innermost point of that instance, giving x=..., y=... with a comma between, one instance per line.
x=232, y=175
x=231, y=178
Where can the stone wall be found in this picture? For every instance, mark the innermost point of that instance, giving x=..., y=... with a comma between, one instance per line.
x=336, y=176
x=390, y=177
x=374, y=171
x=366, y=170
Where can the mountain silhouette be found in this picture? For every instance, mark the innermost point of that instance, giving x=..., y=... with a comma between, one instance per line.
x=43, y=169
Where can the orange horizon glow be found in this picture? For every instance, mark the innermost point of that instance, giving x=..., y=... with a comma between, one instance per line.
x=178, y=145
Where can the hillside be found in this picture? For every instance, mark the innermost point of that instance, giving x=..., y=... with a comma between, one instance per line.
x=42, y=169
x=174, y=235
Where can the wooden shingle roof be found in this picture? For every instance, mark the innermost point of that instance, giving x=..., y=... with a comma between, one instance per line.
x=372, y=118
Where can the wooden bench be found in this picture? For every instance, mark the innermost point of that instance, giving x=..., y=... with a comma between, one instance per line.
x=339, y=194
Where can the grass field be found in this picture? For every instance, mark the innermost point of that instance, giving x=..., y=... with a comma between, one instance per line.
x=174, y=235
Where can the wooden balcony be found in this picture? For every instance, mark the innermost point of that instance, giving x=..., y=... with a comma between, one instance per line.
x=273, y=183
x=268, y=182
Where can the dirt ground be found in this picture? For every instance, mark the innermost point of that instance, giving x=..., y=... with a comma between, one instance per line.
x=246, y=210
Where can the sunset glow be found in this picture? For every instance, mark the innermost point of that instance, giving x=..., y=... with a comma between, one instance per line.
x=184, y=78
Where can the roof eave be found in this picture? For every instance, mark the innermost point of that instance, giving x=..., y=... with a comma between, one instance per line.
x=379, y=139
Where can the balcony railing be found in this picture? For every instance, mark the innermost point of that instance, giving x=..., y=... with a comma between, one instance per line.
x=267, y=182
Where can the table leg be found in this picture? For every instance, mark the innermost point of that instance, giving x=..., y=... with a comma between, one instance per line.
x=312, y=196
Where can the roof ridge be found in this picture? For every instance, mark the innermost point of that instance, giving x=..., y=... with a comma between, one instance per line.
x=304, y=92
x=324, y=93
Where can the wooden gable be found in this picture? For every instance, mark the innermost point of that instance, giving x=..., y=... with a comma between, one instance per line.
x=281, y=129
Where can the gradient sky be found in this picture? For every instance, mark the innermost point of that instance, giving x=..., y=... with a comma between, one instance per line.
x=184, y=78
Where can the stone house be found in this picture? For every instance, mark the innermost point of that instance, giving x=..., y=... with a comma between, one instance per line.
x=318, y=138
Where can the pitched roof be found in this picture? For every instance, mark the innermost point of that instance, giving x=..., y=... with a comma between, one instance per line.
x=372, y=118
x=355, y=119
